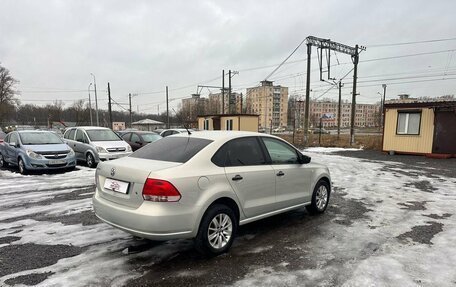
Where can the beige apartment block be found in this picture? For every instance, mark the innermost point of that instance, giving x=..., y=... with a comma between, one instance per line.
x=367, y=115
x=270, y=102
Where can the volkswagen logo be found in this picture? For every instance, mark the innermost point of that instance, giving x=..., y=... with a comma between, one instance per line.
x=113, y=171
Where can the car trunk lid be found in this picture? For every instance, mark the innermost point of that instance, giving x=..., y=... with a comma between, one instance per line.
x=122, y=180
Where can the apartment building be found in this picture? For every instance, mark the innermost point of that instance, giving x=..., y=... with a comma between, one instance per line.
x=194, y=106
x=215, y=103
x=367, y=115
x=270, y=102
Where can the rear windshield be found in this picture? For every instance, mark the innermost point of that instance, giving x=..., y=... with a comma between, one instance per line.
x=102, y=135
x=175, y=149
x=36, y=138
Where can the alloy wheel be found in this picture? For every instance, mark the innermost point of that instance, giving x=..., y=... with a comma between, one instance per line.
x=321, y=197
x=220, y=231
x=90, y=160
x=21, y=166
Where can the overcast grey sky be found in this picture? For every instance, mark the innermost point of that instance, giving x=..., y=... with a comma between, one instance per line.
x=51, y=47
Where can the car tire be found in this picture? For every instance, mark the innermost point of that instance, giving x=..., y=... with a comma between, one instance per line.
x=21, y=165
x=90, y=160
x=217, y=230
x=3, y=163
x=320, y=198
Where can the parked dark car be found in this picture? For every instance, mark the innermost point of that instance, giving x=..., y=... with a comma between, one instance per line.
x=138, y=139
x=318, y=131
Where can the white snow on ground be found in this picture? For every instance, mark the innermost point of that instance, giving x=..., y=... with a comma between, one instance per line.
x=106, y=259
x=366, y=253
x=329, y=149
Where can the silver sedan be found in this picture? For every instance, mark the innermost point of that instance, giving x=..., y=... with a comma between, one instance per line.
x=204, y=185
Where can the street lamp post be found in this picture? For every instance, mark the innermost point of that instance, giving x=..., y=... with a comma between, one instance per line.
x=383, y=105
x=380, y=112
x=96, y=99
x=90, y=105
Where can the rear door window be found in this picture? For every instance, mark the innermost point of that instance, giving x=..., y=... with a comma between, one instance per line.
x=240, y=152
x=174, y=149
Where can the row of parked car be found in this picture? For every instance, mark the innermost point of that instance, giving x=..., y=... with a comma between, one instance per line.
x=33, y=150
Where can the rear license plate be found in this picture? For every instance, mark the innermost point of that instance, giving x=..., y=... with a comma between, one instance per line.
x=56, y=161
x=116, y=185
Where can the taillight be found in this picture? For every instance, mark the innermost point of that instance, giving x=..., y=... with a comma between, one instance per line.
x=160, y=191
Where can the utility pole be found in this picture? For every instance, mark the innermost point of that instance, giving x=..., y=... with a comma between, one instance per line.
x=131, y=117
x=339, y=119
x=319, y=136
x=90, y=106
x=307, y=108
x=167, y=109
x=242, y=99
x=223, y=92
x=229, y=93
x=338, y=47
x=355, y=59
x=96, y=99
x=383, y=104
x=110, y=109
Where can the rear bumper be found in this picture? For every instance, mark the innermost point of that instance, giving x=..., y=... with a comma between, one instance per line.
x=152, y=220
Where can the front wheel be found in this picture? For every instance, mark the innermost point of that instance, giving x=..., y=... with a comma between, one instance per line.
x=3, y=163
x=21, y=165
x=320, y=198
x=90, y=161
x=217, y=230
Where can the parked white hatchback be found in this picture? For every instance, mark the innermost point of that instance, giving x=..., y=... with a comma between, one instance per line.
x=204, y=185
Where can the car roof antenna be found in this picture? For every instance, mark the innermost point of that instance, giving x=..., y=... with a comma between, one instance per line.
x=182, y=122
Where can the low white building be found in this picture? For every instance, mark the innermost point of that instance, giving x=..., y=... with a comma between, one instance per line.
x=148, y=125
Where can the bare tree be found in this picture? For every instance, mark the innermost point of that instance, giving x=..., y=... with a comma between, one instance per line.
x=7, y=94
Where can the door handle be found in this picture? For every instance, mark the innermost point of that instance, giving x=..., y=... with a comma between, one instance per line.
x=237, y=177
x=280, y=173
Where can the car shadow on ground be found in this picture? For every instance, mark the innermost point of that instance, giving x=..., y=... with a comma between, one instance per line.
x=262, y=241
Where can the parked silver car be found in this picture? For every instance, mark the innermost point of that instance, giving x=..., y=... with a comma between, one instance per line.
x=205, y=184
x=95, y=144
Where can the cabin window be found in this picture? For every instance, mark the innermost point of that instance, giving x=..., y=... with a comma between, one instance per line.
x=229, y=125
x=206, y=125
x=408, y=123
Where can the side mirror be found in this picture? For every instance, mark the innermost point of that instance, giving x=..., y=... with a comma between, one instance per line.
x=303, y=159
x=138, y=142
x=13, y=144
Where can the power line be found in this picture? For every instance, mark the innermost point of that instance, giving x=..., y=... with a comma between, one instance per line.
x=283, y=62
x=409, y=55
x=410, y=43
